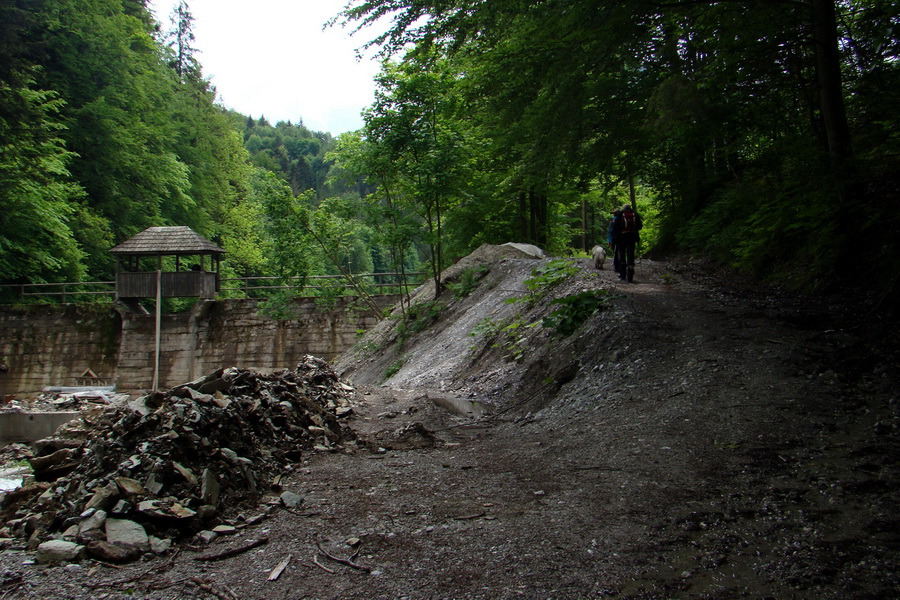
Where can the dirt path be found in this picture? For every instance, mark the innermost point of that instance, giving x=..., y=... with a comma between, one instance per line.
x=707, y=441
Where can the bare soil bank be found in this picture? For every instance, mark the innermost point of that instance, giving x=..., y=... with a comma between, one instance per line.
x=699, y=438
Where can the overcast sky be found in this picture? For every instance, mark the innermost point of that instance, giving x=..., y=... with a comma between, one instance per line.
x=272, y=58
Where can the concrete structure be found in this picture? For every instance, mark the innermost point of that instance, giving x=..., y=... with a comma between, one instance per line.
x=27, y=427
x=53, y=345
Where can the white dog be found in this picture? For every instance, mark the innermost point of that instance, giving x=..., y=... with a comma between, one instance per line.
x=598, y=253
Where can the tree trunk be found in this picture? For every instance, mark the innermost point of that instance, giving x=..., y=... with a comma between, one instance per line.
x=632, y=196
x=523, y=217
x=828, y=71
x=532, y=216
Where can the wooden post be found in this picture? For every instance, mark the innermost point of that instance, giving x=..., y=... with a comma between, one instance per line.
x=155, y=385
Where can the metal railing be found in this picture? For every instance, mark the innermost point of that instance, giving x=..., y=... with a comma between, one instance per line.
x=66, y=292
x=378, y=281
x=83, y=291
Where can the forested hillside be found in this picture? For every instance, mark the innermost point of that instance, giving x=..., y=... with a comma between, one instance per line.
x=761, y=134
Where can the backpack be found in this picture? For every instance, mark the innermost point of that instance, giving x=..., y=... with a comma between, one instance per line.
x=631, y=223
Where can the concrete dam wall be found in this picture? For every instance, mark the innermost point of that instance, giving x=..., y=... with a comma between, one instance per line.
x=54, y=345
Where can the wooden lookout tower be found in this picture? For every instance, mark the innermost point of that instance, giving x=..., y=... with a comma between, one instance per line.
x=139, y=270
x=139, y=265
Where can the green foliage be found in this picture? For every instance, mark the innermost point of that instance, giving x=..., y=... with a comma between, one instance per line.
x=287, y=225
x=713, y=118
x=292, y=152
x=468, y=281
x=414, y=145
x=510, y=335
x=417, y=318
x=39, y=200
x=280, y=305
x=546, y=277
x=394, y=368
x=574, y=310
x=777, y=229
x=726, y=111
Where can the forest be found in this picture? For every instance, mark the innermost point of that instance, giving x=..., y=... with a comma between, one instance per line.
x=761, y=135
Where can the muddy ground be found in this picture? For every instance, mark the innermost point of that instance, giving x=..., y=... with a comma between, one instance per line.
x=697, y=438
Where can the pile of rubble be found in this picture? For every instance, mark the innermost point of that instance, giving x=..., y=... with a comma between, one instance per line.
x=63, y=399
x=119, y=482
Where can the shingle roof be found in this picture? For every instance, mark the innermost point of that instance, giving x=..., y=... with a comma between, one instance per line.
x=167, y=240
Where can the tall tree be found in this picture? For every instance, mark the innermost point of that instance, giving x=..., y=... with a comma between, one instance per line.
x=181, y=40
x=39, y=199
x=412, y=122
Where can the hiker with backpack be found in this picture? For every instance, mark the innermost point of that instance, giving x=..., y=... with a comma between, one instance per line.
x=626, y=226
x=611, y=238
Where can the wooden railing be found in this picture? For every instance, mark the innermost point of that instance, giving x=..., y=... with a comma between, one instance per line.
x=85, y=291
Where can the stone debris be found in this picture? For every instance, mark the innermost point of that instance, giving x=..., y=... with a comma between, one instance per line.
x=59, y=399
x=175, y=465
x=57, y=551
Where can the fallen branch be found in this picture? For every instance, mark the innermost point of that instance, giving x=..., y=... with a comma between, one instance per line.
x=598, y=468
x=470, y=517
x=297, y=512
x=277, y=571
x=343, y=561
x=209, y=589
x=234, y=551
x=138, y=577
x=321, y=566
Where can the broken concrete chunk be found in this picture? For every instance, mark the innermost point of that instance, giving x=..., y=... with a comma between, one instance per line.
x=203, y=384
x=46, y=463
x=209, y=488
x=200, y=397
x=130, y=487
x=185, y=472
x=132, y=462
x=122, y=508
x=164, y=509
x=207, y=537
x=180, y=511
x=91, y=523
x=291, y=499
x=104, y=497
x=57, y=551
x=229, y=454
x=159, y=546
x=206, y=512
x=70, y=533
x=127, y=533
x=113, y=553
x=152, y=485
x=224, y=529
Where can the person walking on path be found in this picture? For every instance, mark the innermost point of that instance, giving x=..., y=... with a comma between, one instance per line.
x=626, y=226
x=611, y=239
